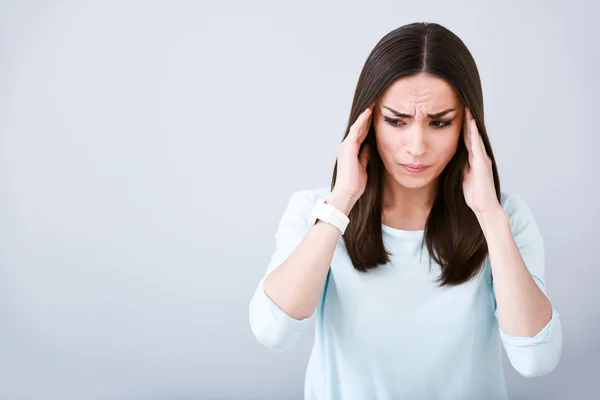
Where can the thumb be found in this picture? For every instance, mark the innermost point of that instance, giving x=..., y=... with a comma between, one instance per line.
x=365, y=155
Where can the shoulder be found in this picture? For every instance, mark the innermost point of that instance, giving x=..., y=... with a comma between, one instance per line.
x=520, y=214
x=515, y=205
x=308, y=197
x=302, y=201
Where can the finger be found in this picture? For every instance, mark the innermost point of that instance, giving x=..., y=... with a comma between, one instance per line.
x=476, y=144
x=360, y=121
x=478, y=138
x=469, y=114
x=363, y=129
x=466, y=139
x=466, y=134
x=482, y=150
x=360, y=128
x=473, y=126
x=365, y=155
x=466, y=171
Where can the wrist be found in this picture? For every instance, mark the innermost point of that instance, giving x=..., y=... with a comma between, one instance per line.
x=491, y=219
x=342, y=202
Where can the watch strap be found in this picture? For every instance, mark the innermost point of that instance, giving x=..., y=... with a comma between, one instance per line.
x=330, y=214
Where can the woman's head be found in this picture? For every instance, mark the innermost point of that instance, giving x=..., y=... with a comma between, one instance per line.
x=416, y=70
x=417, y=120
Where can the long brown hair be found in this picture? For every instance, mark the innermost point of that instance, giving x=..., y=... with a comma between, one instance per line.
x=452, y=234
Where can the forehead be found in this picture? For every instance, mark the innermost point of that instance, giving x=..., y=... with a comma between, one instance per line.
x=420, y=90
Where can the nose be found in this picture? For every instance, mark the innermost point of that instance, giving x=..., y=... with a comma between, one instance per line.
x=416, y=143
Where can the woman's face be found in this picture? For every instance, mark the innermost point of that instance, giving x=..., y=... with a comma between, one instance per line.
x=406, y=134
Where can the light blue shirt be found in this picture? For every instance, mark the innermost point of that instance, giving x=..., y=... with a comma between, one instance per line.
x=393, y=333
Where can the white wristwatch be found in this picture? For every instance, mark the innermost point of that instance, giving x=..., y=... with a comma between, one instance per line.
x=329, y=214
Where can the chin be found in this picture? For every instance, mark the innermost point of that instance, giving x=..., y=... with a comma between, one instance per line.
x=413, y=183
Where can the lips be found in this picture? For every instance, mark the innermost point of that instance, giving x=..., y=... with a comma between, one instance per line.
x=415, y=168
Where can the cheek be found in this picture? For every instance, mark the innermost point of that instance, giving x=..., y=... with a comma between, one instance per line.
x=384, y=139
x=446, y=146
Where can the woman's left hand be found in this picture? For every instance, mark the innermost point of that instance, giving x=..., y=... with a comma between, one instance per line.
x=478, y=179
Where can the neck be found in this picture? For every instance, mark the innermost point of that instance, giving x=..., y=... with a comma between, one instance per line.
x=406, y=207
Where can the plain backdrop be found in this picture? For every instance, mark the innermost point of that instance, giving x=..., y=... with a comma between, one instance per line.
x=148, y=149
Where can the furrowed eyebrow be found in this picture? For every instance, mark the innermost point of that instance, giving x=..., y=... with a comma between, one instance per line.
x=403, y=115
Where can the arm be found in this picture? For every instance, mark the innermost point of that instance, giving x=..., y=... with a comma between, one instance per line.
x=287, y=296
x=529, y=325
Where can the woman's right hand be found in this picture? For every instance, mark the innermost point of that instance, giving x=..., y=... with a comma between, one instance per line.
x=351, y=174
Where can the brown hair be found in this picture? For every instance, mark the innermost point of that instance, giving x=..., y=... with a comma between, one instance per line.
x=452, y=233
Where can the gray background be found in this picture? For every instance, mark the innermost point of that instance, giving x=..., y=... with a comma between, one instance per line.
x=148, y=150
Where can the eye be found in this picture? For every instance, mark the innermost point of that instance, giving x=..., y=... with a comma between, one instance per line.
x=441, y=124
x=436, y=124
x=393, y=122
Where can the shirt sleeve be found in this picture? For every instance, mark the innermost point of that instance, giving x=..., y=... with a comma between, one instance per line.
x=538, y=355
x=270, y=325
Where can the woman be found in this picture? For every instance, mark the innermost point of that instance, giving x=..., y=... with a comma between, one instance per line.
x=415, y=171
